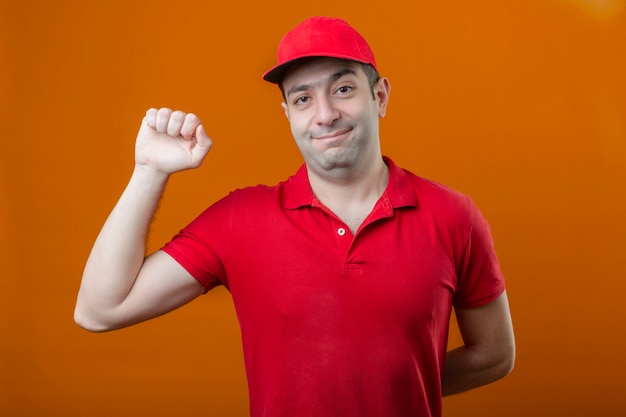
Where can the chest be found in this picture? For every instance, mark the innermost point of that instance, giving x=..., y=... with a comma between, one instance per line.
x=316, y=272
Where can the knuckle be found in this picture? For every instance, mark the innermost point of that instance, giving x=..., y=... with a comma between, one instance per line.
x=164, y=112
x=178, y=115
x=192, y=118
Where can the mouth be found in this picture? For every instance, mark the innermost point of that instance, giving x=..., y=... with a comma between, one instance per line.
x=332, y=136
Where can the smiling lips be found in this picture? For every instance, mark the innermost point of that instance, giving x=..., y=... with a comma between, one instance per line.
x=333, y=135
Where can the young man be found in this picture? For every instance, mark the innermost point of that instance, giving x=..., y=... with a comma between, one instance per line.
x=343, y=277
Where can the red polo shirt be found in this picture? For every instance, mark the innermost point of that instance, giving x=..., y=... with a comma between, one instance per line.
x=335, y=324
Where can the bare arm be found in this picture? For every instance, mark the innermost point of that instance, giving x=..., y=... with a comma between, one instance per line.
x=488, y=353
x=121, y=287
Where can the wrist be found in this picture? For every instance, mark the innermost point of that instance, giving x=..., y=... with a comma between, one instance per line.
x=149, y=175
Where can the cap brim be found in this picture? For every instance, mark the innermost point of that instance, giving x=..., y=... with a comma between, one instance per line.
x=276, y=73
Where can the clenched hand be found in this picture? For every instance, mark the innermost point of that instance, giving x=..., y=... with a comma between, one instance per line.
x=170, y=141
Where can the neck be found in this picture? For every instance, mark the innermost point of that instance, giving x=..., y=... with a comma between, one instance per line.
x=352, y=197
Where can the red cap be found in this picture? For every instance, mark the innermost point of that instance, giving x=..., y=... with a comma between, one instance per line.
x=323, y=37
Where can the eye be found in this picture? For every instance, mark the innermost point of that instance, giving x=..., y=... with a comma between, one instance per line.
x=302, y=100
x=344, y=89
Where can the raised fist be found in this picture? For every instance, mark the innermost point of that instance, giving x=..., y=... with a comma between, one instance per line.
x=170, y=141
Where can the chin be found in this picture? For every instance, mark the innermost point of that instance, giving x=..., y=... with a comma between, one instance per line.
x=337, y=160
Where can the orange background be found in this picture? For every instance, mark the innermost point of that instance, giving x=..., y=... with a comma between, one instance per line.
x=521, y=105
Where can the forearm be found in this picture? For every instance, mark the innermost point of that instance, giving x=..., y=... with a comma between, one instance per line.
x=119, y=250
x=488, y=351
x=467, y=368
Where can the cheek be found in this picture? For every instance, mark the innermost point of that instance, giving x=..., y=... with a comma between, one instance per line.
x=297, y=125
x=298, y=134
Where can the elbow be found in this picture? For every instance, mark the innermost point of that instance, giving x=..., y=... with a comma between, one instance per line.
x=505, y=364
x=504, y=368
x=503, y=355
x=83, y=321
x=89, y=321
x=509, y=362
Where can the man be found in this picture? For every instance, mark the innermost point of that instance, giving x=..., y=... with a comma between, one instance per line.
x=343, y=277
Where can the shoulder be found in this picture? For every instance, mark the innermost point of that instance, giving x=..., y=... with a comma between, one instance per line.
x=451, y=209
x=425, y=193
x=258, y=194
x=251, y=200
x=291, y=193
x=432, y=203
x=431, y=187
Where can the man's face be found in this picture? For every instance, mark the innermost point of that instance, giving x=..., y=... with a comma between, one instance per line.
x=333, y=116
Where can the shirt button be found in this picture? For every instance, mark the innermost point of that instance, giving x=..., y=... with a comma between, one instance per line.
x=341, y=231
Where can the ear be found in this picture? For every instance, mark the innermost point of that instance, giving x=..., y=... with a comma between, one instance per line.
x=286, y=109
x=382, y=89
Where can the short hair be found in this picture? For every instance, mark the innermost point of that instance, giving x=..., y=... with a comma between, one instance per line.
x=372, y=77
x=370, y=72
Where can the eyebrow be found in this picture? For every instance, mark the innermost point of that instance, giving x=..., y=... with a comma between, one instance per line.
x=330, y=79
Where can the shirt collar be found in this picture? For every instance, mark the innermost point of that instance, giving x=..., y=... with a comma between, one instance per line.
x=400, y=191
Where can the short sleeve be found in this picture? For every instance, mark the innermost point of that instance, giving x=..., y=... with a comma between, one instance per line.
x=479, y=277
x=199, y=246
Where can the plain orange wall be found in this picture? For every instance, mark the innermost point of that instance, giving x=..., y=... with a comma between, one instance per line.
x=521, y=105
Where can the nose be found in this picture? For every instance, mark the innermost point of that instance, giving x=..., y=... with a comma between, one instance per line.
x=326, y=113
